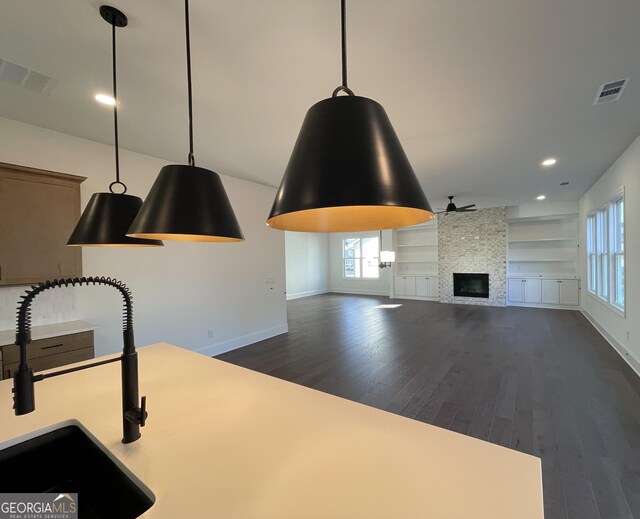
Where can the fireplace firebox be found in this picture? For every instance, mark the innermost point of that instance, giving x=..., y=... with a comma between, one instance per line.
x=471, y=285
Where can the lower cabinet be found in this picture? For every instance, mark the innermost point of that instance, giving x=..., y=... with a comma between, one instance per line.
x=49, y=353
x=546, y=291
x=405, y=286
x=560, y=292
x=418, y=286
x=524, y=290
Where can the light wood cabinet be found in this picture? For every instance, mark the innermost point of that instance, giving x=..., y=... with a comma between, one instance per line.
x=49, y=353
x=38, y=211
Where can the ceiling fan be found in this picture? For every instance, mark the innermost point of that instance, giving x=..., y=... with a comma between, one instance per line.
x=451, y=208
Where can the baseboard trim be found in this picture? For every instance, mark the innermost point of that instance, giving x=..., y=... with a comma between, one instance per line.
x=359, y=292
x=238, y=342
x=419, y=298
x=620, y=349
x=308, y=293
x=545, y=305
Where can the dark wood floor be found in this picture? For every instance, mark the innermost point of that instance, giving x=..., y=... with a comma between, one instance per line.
x=540, y=381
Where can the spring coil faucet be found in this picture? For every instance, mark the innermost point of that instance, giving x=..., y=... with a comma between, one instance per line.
x=133, y=416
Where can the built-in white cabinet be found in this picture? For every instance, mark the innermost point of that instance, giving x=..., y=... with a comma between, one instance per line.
x=524, y=290
x=560, y=291
x=427, y=286
x=416, y=265
x=405, y=285
x=563, y=292
x=416, y=286
x=542, y=254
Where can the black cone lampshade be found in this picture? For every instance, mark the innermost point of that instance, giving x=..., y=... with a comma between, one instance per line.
x=187, y=203
x=105, y=221
x=348, y=172
x=107, y=217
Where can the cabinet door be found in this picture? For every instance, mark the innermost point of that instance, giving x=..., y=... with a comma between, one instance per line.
x=434, y=287
x=423, y=286
x=516, y=290
x=550, y=291
x=532, y=289
x=38, y=212
x=410, y=285
x=398, y=286
x=569, y=292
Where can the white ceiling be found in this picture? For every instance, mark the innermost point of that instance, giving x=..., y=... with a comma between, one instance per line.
x=479, y=92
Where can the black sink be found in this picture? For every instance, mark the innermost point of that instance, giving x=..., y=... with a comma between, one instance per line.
x=67, y=460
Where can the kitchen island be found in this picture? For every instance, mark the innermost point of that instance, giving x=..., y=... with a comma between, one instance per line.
x=224, y=441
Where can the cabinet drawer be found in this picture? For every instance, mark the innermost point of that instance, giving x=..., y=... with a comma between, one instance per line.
x=47, y=347
x=50, y=361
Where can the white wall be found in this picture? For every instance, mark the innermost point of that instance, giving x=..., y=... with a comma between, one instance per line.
x=337, y=281
x=180, y=291
x=622, y=331
x=307, y=256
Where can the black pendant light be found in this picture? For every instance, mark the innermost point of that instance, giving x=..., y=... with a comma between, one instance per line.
x=187, y=203
x=107, y=217
x=348, y=171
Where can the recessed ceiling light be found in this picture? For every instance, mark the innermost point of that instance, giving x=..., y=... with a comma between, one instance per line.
x=105, y=99
x=549, y=162
x=540, y=197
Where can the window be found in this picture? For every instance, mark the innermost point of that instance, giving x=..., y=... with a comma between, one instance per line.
x=602, y=250
x=591, y=254
x=605, y=253
x=617, y=251
x=361, y=257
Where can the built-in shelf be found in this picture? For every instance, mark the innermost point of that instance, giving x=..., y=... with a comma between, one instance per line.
x=543, y=247
x=416, y=260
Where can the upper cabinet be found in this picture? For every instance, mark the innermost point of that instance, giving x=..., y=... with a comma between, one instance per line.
x=38, y=211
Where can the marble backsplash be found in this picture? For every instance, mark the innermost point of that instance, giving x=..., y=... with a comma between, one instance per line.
x=52, y=306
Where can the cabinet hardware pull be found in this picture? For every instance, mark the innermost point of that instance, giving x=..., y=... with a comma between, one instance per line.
x=52, y=346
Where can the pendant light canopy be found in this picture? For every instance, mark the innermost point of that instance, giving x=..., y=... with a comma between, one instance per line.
x=107, y=217
x=348, y=171
x=187, y=203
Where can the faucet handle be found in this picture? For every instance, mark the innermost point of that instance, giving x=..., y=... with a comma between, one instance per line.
x=143, y=411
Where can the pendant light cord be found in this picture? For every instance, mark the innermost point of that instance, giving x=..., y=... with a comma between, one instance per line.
x=192, y=161
x=115, y=113
x=343, y=30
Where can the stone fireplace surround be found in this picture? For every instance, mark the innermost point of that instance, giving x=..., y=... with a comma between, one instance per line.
x=473, y=242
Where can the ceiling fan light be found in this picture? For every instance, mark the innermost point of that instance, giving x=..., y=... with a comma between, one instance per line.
x=348, y=172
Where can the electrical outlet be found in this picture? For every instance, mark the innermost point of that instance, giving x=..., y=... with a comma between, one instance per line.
x=210, y=333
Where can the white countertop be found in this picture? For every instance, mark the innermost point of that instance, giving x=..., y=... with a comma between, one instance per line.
x=224, y=441
x=48, y=330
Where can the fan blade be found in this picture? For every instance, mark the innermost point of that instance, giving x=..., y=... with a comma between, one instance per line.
x=466, y=207
x=466, y=210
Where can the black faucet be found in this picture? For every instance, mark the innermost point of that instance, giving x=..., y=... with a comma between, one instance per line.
x=133, y=417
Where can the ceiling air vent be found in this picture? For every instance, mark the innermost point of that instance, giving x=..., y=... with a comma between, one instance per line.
x=610, y=91
x=24, y=77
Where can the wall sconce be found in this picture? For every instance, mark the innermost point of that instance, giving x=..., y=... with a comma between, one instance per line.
x=387, y=257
